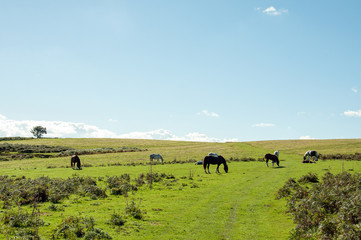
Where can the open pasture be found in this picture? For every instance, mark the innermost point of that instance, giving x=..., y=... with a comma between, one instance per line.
x=188, y=205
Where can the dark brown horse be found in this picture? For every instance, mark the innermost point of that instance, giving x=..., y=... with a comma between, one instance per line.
x=214, y=160
x=75, y=160
x=272, y=157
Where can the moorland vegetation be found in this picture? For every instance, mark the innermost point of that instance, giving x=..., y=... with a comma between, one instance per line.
x=120, y=195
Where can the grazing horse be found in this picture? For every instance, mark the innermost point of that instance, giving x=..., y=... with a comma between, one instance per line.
x=272, y=157
x=277, y=153
x=155, y=156
x=75, y=160
x=214, y=160
x=310, y=154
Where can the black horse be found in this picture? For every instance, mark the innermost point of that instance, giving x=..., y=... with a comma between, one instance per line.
x=273, y=158
x=214, y=160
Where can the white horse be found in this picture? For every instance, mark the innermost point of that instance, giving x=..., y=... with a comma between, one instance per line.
x=155, y=156
x=277, y=153
x=311, y=154
x=213, y=154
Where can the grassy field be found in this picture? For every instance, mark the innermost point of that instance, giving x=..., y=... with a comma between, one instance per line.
x=238, y=205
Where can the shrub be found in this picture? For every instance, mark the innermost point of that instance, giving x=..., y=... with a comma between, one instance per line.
x=140, y=180
x=339, y=156
x=120, y=185
x=97, y=234
x=134, y=211
x=310, y=177
x=93, y=192
x=330, y=209
x=20, y=219
x=73, y=227
x=116, y=219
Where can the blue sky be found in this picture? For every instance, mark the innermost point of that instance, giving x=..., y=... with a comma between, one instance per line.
x=181, y=70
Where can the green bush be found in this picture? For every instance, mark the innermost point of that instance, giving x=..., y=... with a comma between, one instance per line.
x=134, y=210
x=330, y=209
x=20, y=219
x=120, y=185
x=96, y=234
x=73, y=227
x=79, y=227
x=310, y=177
x=116, y=219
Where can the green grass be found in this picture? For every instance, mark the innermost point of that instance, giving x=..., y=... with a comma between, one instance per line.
x=238, y=205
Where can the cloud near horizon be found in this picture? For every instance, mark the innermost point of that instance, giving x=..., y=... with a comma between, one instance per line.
x=306, y=138
x=350, y=113
x=13, y=128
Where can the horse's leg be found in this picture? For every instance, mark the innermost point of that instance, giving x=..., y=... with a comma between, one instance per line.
x=273, y=162
x=217, y=171
x=208, y=168
x=267, y=162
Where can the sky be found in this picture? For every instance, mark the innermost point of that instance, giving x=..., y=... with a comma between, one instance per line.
x=187, y=70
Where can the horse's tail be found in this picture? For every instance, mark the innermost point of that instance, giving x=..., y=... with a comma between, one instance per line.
x=205, y=160
x=161, y=158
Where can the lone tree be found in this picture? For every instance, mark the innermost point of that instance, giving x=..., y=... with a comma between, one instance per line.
x=38, y=131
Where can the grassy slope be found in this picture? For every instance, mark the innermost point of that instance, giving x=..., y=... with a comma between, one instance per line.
x=237, y=205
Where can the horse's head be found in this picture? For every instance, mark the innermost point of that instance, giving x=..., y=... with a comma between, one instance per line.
x=226, y=167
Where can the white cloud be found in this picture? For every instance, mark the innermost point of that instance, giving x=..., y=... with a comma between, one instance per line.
x=112, y=120
x=159, y=134
x=306, y=138
x=200, y=137
x=352, y=113
x=208, y=114
x=354, y=90
x=273, y=11
x=162, y=134
x=12, y=128
x=263, y=125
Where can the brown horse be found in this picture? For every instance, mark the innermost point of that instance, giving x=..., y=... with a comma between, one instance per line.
x=272, y=157
x=75, y=160
x=214, y=160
